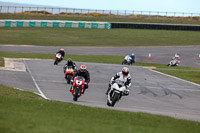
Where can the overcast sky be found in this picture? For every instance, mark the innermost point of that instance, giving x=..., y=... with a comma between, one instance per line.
x=188, y=6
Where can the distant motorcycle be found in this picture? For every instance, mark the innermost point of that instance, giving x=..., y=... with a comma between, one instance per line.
x=117, y=90
x=69, y=72
x=174, y=62
x=58, y=58
x=78, y=87
x=127, y=61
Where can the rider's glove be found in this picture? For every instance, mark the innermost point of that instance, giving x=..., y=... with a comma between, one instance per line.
x=72, y=81
x=112, y=82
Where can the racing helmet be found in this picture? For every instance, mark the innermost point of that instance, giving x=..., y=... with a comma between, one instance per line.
x=62, y=49
x=125, y=71
x=176, y=55
x=133, y=54
x=83, y=68
x=69, y=61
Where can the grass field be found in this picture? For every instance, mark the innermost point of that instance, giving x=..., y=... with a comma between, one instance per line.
x=23, y=112
x=187, y=73
x=97, y=37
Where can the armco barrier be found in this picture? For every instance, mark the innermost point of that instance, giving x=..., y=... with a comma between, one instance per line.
x=156, y=26
x=54, y=23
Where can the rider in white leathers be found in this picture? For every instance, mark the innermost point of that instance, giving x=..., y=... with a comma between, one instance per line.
x=124, y=76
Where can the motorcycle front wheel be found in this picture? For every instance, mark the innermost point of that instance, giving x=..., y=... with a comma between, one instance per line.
x=76, y=95
x=68, y=78
x=124, y=62
x=115, y=98
x=56, y=62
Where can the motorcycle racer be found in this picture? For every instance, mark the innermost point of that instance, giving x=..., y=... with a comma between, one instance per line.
x=176, y=57
x=175, y=60
x=124, y=76
x=133, y=57
x=70, y=63
x=84, y=73
x=62, y=52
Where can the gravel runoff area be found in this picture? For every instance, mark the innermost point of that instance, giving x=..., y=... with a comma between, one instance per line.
x=189, y=54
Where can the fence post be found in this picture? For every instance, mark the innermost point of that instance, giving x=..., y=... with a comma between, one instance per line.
x=157, y=15
x=8, y=10
x=199, y=16
x=149, y=14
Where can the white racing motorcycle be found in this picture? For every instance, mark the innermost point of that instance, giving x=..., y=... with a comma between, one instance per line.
x=174, y=62
x=117, y=90
x=127, y=60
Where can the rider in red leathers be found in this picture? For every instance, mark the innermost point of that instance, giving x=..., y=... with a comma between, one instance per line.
x=84, y=73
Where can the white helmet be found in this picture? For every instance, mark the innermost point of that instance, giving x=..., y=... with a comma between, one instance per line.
x=176, y=55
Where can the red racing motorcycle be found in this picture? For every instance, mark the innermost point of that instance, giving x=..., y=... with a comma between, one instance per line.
x=69, y=72
x=78, y=87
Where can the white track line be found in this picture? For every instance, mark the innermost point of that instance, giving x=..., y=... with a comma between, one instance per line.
x=175, y=77
x=38, y=88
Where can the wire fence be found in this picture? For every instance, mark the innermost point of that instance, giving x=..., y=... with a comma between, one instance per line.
x=75, y=11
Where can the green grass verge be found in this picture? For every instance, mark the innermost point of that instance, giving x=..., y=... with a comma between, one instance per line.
x=193, y=76
x=23, y=112
x=97, y=37
x=187, y=73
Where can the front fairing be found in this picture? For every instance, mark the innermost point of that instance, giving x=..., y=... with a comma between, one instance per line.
x=118, y=87
x=69, y=71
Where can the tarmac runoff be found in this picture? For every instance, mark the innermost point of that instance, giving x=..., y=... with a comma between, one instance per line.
x=14, y=64
x=18, y=64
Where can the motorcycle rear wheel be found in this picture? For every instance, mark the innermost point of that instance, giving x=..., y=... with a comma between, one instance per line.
x=68, y=78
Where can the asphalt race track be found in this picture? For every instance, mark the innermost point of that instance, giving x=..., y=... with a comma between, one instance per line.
x=150, y=91
x=162, y=55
